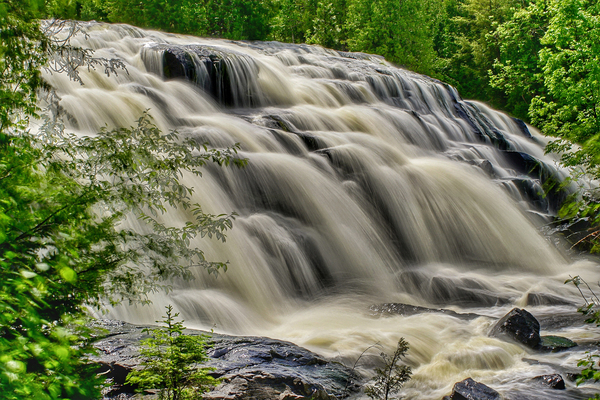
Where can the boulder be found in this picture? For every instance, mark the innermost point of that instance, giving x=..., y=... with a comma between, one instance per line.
x=472, y=390
x=555, y=381
x=520, y=326
x=523, y=128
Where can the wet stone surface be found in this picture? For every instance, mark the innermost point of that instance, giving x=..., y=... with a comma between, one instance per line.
x=250, y=367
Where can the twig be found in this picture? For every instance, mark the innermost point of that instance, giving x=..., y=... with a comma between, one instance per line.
x=355, y=364
x=595, y=233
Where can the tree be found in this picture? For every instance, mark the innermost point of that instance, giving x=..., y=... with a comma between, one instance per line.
x=550, y=65
x=168, y=356
x=570, y=64
x=517, y=71
x=62, y=203
x=292, y=20
x=401, y=31
x=470, y=45
x=328, y=24
x=390, y=378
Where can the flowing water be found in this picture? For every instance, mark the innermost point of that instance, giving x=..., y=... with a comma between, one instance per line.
x=365, y=184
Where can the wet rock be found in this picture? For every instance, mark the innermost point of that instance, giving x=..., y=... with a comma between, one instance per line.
x=114, y=371
x=555, y=381
x=250, y=367
x=555, y=343
x=532, y=191
x=387, y=309
x=445, y=290
x=545, y=299
x=472, y=390
x=523, y=128
x=527, y=164
x=211, y=68
x=559, y=320
x=520, y=326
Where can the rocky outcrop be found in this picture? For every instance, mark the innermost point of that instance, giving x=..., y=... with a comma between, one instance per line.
x=522, y=327
x=469, y=389
x=249, y=367
x=388, y=309
x=228, y=76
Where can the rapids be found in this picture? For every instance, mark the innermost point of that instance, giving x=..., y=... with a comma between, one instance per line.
x=366, y=184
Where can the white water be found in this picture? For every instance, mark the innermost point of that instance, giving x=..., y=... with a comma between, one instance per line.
x=390, y=197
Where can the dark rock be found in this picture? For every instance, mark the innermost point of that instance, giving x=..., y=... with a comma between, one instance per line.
x=385, y=309
x=520, y=326
x=482, y=126
x=444, y=290
x=559, y=320
x=532, y=191
x=115, y=371
x=527, y=164
x=250, y=367
x=471, y=390
x=211, y=69
x=523, y=128
x=544, y=299
x=555, y=381
x=555, y=343
x=524, y=163
x=572, y=376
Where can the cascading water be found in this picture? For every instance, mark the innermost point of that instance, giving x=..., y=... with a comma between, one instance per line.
x=365, y=184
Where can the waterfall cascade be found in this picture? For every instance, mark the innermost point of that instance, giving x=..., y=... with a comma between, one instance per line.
x=365, y=184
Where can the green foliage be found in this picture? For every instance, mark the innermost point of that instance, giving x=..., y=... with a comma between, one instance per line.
x=571, y=75
x=516, y=71
x=549, y=63
x=402, y=32
x=63, y=203
x=469, y=45
x=22, y=53
x=130, y=173
x=390, y=378
x=168, y=358
x=290, y=23
x=591, y=310
x=62, y=242
x=41, y=348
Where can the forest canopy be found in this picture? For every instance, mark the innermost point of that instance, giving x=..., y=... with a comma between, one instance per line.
x=505, y=52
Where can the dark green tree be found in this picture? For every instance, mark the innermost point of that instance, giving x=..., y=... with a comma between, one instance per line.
x=391, y=377
x=570, y=106
x=469, y=45
x=292, y=20
x=517, y=71
x=169, y=358
x=401, y=31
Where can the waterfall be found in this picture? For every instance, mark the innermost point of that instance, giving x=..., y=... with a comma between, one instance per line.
x=365, y=184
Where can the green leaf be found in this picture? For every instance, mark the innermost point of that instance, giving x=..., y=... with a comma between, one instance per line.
x=68, y=274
